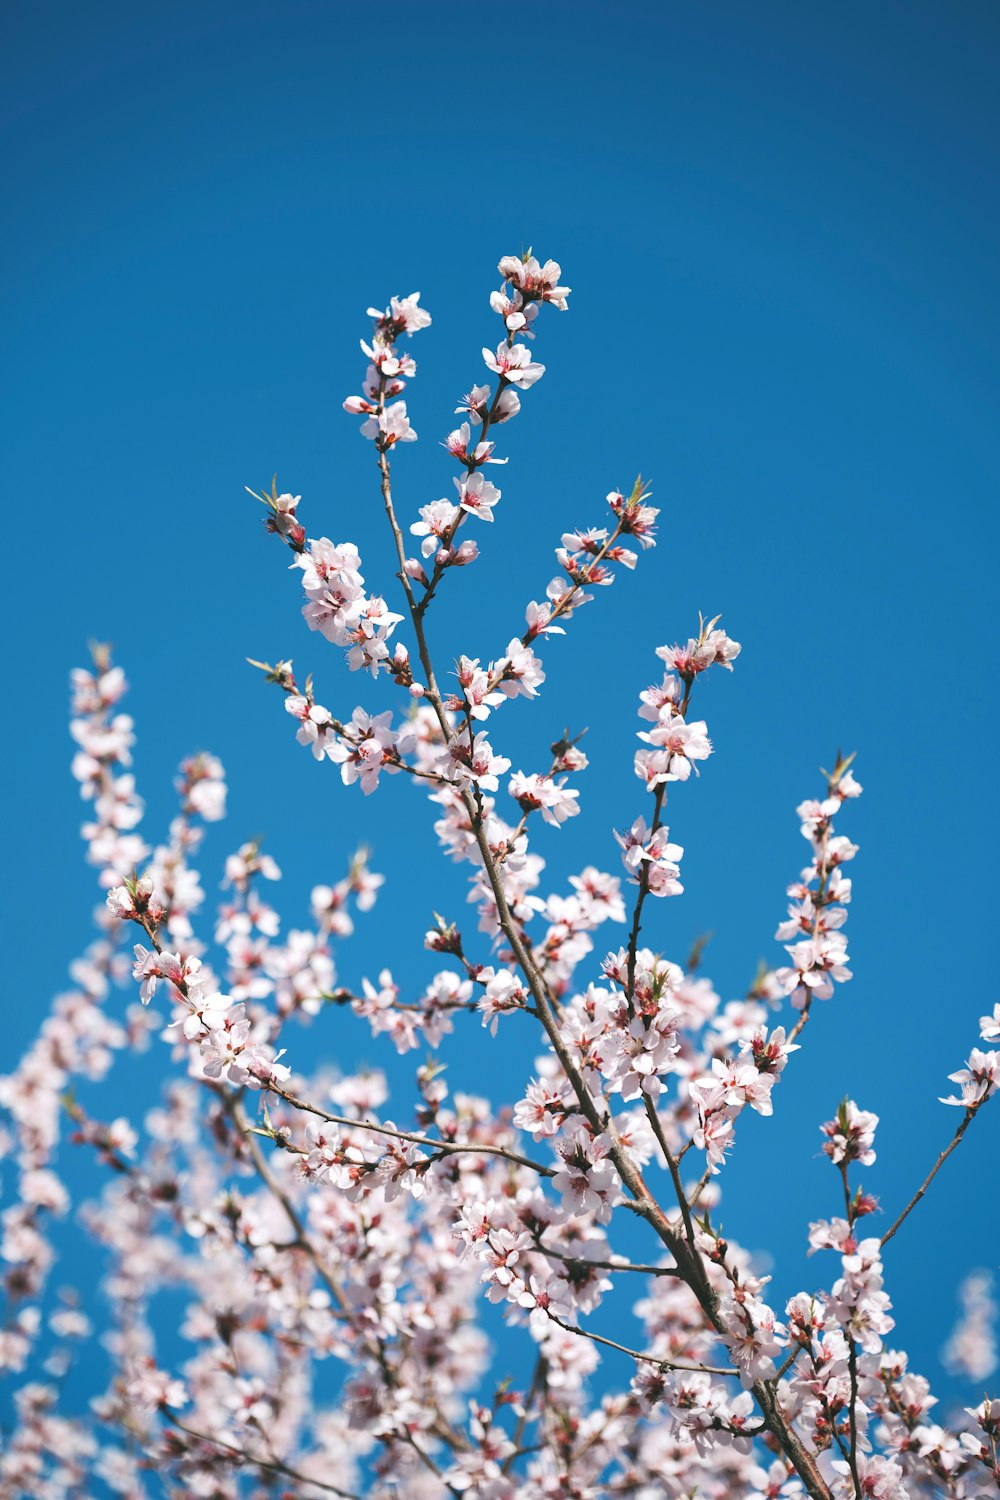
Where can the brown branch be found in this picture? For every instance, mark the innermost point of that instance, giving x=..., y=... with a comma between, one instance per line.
x=443, y=1148
x=607, y=1265
x=536, y=1389
x=852, y=1457
x=270, y=1466
x=638, y=1354
x=970, y=1114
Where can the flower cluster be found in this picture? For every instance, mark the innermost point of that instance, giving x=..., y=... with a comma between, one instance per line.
x=526, y=286
x=819, y=898
x=677, y=743
x=101, y=766
x=734, y=1083
x=851, y=1135
x=972, y=1348
x=338, y=606
x=388, y=370
x=302, y=1216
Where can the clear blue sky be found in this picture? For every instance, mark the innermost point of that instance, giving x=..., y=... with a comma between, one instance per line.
x=780, y=223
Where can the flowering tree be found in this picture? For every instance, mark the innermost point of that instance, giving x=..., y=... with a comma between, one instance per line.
x=310, y=1229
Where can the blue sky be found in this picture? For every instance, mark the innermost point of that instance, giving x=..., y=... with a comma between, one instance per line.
x=780, y=223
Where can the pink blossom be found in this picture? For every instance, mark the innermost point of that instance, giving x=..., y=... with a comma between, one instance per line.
x=477, y=496
x=851, y=1135
x=587, y=1180
x=881, y=1479
x=534, y=280
x=556, y=800
x=436, y=521
x=403, y=315
x=979, y=1079
x=458, y=442
x=503, y=993
x=477, y=762
x=389, y=426
x=515, y=364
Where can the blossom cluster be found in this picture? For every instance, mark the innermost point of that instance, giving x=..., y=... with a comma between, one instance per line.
x=818, y=907
x=300, y=1213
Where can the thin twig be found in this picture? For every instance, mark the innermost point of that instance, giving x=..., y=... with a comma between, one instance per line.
x=638, y=1354
x=445, y=1148
x=270, y=1466
x=970, y=1114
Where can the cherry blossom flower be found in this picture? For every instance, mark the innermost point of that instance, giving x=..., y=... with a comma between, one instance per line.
x=678, y=745
x=652, y=855
x=515, y=364
x=436, y=520
x=150, y=967
x=473, y=763
x=979, y=1079
x=389, y=426
x=403, y=315
x=534, y=280
x=851, y=1135
x=231, y=1050
x=316, y=727
x=503, y=993
x=556, y=801
x=458, y=442
x=477, y=496
x=149, y=1389
x=587, y=1180
x=881, y=1479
